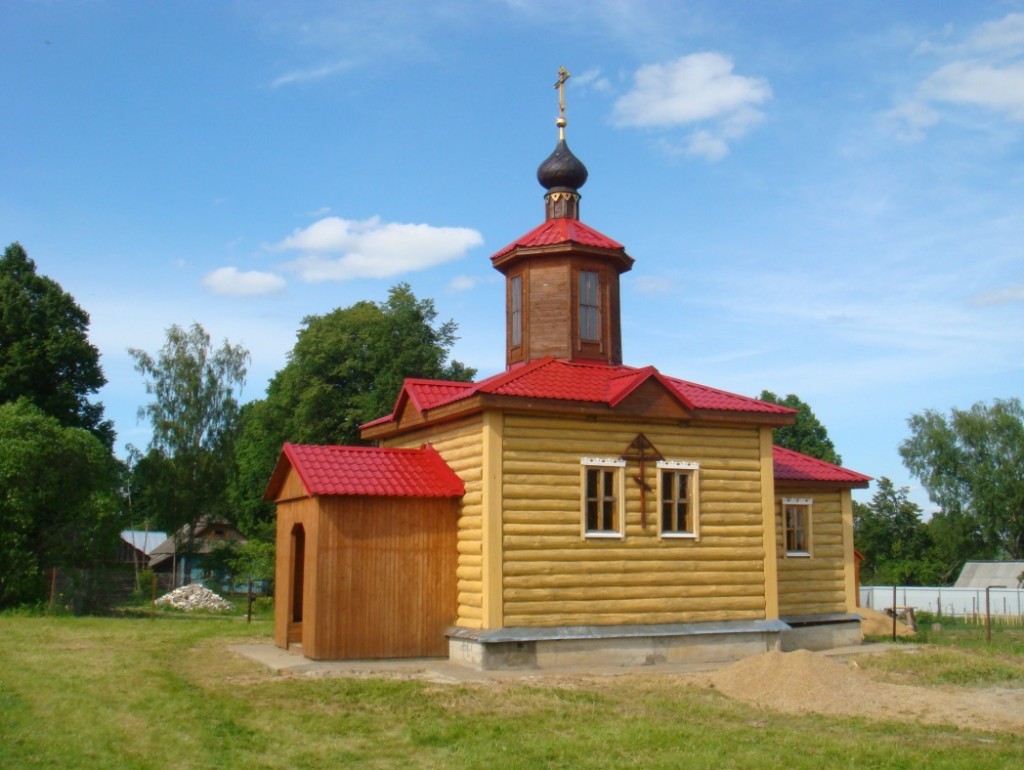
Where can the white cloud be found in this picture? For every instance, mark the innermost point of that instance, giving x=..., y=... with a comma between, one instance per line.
x=1001, y=296
x=313, y=73
x=979, y=83
x=341, y=249
x=652, y=284
x=232, y=281
x=699, y=88
x=985, y=71
x=909, y=121
x=592, y=79
x=1002, y=35
x=463, y=283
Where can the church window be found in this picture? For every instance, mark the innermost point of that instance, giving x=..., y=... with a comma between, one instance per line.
x=590, y=317
x=603, y=514
x=678, y=499
x=516, y=310
x=796, y=519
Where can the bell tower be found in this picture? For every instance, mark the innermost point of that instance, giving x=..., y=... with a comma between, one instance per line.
x=562, y=278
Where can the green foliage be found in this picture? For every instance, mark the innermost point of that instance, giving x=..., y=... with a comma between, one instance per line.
x=58, y=500
x=45, y=353
x=194, y=416
x=894, y=540
x=219, y=564
x=807, y=434
x=972, y=464
x=254, y=559
x=347, y=368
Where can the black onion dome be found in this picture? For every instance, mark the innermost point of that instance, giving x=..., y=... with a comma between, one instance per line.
x=562, y=169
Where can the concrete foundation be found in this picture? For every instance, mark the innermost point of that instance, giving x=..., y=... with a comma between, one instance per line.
x=821, y=632
x=573, y=646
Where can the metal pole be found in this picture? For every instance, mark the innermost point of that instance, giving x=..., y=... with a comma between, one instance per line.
x=53, y=587
x=988, y=614
x=988, y=617
x=894, y=612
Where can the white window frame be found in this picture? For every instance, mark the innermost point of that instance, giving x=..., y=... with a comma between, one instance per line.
x=692, y=470
x=618, y=468
x=808, y=504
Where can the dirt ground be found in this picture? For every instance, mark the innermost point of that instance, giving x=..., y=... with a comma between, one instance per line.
x=802, y=681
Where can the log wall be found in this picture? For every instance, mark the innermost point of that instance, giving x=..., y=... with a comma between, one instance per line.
x=553, y=576
x=461, y=446
x=815, y=584
x=385, y=578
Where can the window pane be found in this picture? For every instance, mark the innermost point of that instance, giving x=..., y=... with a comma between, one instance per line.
x=517, y=310
x=589, y=318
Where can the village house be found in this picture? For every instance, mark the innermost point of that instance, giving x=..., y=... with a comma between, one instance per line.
x=569, y=509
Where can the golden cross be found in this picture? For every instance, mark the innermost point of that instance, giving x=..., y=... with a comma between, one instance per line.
x=563, y=75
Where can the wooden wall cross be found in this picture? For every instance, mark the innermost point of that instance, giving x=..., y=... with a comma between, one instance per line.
x=642, y=451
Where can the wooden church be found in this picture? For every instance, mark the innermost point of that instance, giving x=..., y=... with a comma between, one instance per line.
x=571, y=509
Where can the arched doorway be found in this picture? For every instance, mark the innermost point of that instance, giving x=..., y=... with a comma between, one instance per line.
x=298, y=563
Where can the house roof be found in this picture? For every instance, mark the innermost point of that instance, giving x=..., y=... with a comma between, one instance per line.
x=980, y=574
x=793, y=466
x=373, y=471
x=557, y=231
x=200, y=545
x=596, y=383
x=145, y=541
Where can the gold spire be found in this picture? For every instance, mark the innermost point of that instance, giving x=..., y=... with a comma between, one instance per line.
x=563, y=75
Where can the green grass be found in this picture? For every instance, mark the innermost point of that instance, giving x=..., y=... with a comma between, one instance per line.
x=135, y=693
x=958, y=654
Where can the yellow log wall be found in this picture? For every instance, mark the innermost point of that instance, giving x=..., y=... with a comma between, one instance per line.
x=816, y=584
x=461, y=445
x=553, y=576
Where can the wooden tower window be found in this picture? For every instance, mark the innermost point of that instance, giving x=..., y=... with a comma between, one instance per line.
x=590, y=307
x=516, y=310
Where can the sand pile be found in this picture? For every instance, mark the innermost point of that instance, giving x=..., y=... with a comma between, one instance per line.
x=877, y=623
x=803, y=681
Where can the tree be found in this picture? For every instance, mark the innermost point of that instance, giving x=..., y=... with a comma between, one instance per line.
x=58, y=500
x=45, y=353
x=892, y=537
x=972, y=464
x=807, y=434
x=346, y=368
x=194, y=416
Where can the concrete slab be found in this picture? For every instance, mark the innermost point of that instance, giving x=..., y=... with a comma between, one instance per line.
x=441, y=670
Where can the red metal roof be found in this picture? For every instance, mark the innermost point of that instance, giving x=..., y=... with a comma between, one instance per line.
x=556, y=378
x=794, y=466
x=560, y=230
x=349, y=470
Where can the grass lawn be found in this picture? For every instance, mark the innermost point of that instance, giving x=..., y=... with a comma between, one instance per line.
x=131, y=692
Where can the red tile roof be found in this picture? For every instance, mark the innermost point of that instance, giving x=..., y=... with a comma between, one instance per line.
x=794, y=466
x=560, y=230
x=556, y=378
x=349, y=470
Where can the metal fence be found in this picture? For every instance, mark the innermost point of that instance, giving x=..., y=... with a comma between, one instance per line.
x=1005, y=604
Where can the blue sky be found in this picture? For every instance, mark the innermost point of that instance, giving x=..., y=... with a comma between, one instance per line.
x=822, y=199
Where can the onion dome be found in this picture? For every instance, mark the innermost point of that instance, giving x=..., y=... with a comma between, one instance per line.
x=562, y=170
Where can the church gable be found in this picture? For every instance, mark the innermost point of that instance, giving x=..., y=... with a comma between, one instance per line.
x=651, y=399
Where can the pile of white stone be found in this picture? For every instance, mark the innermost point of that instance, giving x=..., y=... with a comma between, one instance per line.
x=193, y=597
